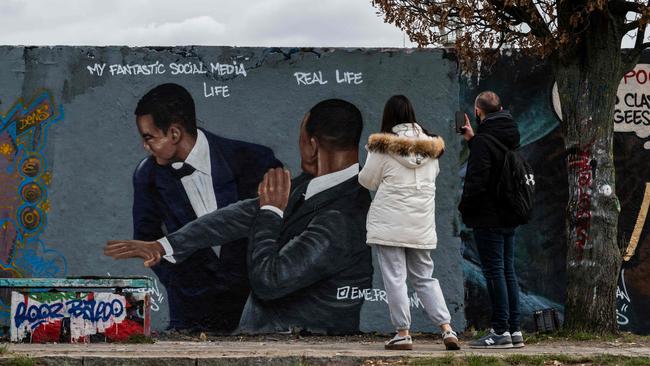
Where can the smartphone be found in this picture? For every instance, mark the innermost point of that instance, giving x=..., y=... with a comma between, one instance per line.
x=460, y=122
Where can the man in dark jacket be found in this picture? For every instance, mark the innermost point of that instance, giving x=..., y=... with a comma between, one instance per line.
x=306, y=249
x=493, y=227
x=190, y=173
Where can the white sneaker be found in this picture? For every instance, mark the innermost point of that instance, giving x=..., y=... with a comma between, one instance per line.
x=399, y=343
x=517, y=339
x=450, y=339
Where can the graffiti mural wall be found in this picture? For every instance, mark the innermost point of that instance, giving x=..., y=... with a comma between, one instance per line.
x=73, y=168
x=70, y=183
x=527, y=89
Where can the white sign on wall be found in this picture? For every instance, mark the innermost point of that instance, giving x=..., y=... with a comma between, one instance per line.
x=632, y=111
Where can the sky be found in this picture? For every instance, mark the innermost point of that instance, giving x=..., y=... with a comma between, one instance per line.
x=265, y=23
x=282, y=23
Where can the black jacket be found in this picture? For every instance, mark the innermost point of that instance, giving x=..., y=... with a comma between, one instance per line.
x=479, y=204
x=308, y=269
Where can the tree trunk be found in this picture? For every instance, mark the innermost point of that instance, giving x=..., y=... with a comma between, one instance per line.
x=587, y=84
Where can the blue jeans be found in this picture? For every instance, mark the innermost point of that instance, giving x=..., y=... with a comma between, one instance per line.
x=496, y=247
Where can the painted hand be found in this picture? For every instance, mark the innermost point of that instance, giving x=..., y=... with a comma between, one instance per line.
x=275, y=187
x=467, y=130
x=150, y=251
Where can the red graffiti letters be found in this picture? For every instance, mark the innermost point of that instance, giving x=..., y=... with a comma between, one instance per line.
x=582, y=163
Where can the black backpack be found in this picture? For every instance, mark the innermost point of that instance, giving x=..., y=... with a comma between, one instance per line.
x=516, y=184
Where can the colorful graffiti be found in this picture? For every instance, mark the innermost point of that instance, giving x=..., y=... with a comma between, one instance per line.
x=24, y=182
x=77, y=317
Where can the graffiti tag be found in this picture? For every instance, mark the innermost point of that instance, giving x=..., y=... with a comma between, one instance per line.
x=52, y=296
x=371, y=295
x=624, y=302
x=91, y=310
x=95, y=311
x=36, y=315
x=156, y=295
x=583, y=165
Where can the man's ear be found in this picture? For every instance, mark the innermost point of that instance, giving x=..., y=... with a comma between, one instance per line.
x=176, y=133
x=315, y=146
x=309, y=163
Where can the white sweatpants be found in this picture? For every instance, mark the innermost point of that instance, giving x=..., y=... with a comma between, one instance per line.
x=398, y=264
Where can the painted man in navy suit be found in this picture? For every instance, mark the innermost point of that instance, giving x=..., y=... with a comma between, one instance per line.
x=190, y=173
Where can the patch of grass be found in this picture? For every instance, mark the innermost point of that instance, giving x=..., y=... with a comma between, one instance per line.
x=452, y=360
x=563, y=335
x=4, y=349
x=474, y=333
x=611, y=360
x=532, y=360
x=484, y=361
x=525, y=360
x=447, y=359
x=302, y=362
x=628, y=337
x=21, y=361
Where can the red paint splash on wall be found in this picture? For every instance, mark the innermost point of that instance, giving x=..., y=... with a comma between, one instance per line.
x=582, y=163
x=47, y=332
x=122, y=331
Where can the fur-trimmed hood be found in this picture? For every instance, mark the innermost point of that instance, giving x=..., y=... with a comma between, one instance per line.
x=410, y=145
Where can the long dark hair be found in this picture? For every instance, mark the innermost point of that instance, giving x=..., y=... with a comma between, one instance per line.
x=398, y=110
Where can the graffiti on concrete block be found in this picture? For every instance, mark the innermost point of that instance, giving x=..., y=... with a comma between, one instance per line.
x=77, y=317
x=156, y=295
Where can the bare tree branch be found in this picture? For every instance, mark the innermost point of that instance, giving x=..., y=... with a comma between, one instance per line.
x=527, y=13
x=623, y=7
x=632, y=57
x=631, y=26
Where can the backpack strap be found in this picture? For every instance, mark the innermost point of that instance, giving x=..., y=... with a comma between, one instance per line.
x=496, y=141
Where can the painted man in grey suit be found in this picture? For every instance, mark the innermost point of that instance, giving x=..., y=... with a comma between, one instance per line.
x=306, y=239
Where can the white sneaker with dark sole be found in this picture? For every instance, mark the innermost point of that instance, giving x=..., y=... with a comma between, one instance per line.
x=450, y=339
x=517, y=339
x=399, y=343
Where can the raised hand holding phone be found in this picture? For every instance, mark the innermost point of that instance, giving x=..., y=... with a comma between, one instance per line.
x=460, y=122
x=468, y=131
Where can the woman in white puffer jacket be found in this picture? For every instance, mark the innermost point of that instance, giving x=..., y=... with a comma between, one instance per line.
x=402, y=166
